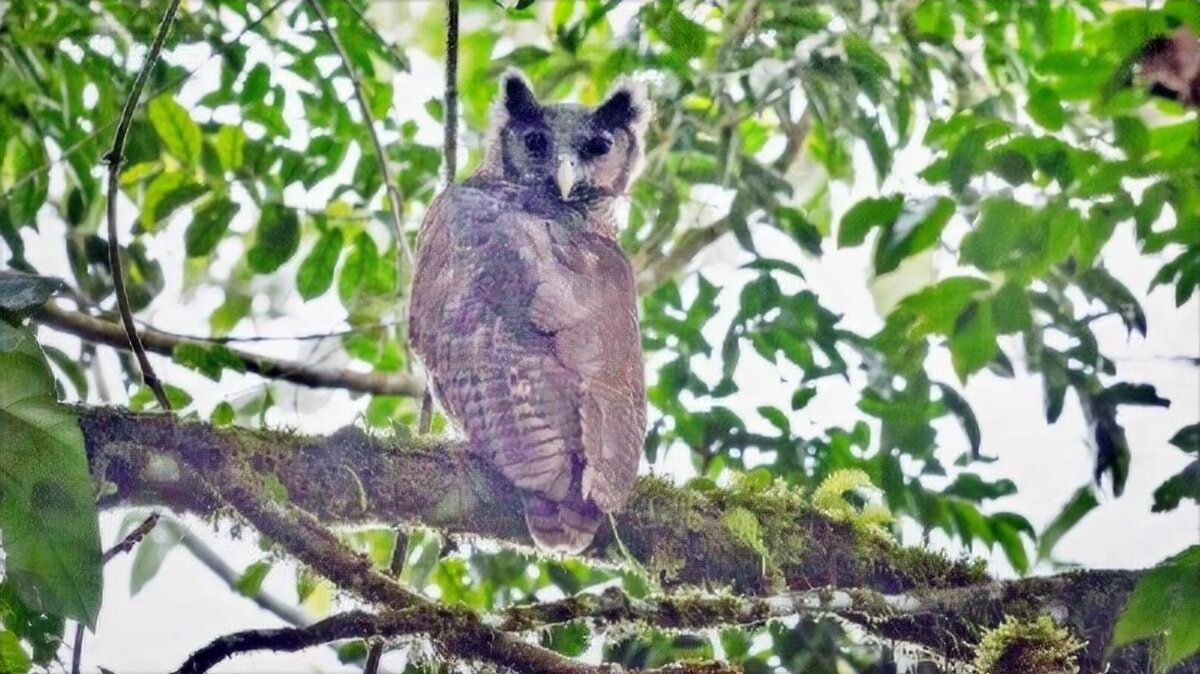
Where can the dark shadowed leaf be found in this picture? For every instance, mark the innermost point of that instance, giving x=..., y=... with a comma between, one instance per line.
x=316, y=271
x=208, y=225
x=51, y=535
x=276, y=239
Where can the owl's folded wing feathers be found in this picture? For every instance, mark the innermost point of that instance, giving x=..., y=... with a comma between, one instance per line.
x=587, y=297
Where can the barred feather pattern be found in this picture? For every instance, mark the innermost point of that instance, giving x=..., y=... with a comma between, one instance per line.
x=526, y=323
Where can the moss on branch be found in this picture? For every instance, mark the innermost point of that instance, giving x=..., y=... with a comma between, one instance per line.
x=681, y=534
x=352, y=477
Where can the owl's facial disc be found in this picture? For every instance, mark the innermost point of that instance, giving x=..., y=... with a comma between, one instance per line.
x=568, y=152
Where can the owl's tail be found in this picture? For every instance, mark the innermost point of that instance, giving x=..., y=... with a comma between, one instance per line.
x=561, y=526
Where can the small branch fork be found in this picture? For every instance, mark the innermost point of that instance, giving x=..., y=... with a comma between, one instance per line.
x=133, y=538
x=114, y=159
x=459, y=631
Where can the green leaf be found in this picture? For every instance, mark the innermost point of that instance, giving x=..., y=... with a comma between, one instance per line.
x=276, y=239
x=43, y=633
x=571, y=639
x=249, y=584
x=973, y=342
x=1046, y=109
x=230, y=144
x=866, y=215
x=71, y=368
x=992, y=243
x=47, y=515
x=959, y=406
x=684, y=36
x=316, y=271
x=973, y=488
x=173, y=124
x=1165, y=601
x=1188, y=438
x=231, y=312
x=208, y=225
x=1007, y=528
x=177, y=198
x=917, y=228
x=207, y=359
x=1125, y=393
x=862, y=54
x=13, y=658
x=1082, y=503
x=360, y=267
x=222, y=414
x=257, y=84
x=156, y=192
x=1184, y=484
x=1011, y=309
x=24, y=177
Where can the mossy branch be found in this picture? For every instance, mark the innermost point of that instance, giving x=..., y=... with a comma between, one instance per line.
x=678, y=534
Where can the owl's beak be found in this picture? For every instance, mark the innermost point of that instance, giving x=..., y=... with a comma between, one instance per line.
x=565, y=176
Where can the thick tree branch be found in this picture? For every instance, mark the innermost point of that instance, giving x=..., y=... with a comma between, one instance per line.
x=100, y=331
x=680, y=535
x=459, y=631
x=114, y=158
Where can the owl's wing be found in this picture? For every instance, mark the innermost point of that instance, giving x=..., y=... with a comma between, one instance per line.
x=586, y=298
x=493, y=371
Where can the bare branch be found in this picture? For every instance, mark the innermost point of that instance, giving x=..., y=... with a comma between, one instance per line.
x=450, y=114
x=125, y=545
x=393, y=192
x=114, y=159
x=100, y=331
x=458, y=630
x=132, y=539
x=350, y=625
x=655, y=268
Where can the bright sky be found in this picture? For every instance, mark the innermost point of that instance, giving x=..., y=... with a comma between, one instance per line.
x=186, y=605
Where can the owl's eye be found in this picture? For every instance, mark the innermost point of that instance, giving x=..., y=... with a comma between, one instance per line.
x=536, y=142
x=597, y=146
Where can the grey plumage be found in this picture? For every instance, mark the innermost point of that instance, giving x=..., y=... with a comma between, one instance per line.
x=524, y=308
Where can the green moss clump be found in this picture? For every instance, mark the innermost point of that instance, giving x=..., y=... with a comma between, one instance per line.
x=1016, y=646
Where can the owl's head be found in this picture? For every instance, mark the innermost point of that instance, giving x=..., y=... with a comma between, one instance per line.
x=575, y=153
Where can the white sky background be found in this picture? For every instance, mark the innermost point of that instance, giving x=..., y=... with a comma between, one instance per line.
x=186, y=605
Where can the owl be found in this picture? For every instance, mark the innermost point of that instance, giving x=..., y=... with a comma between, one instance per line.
x=524, y=308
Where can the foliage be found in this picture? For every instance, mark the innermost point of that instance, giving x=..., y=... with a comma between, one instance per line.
x=1027, y=647
x=1007, y=141
x=1165, y=604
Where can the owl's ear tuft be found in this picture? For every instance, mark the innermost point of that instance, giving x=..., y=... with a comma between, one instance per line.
x=517, y=96
x=626, y=106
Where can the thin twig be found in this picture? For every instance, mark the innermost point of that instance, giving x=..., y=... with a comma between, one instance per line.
x=350, y=625
x=449, y=151
x=77, y=649
x=301, y=534
x=99, y=331
x=132, y=539
x=125, y=545
x=450, y=127
x=393, y=192
x=396, y=567
x=114, y=159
